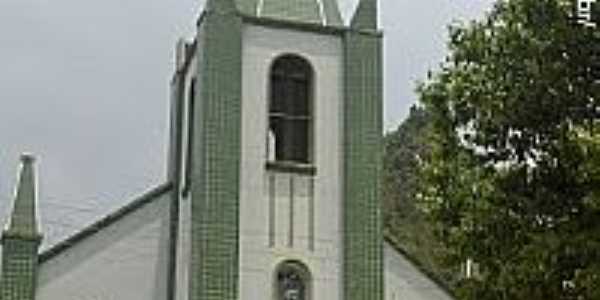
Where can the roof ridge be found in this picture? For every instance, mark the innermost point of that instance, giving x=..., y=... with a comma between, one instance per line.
x=105, y=221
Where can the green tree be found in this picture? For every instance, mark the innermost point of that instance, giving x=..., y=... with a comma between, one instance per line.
x=406, y=226
x=511, y=179
x=402, y=149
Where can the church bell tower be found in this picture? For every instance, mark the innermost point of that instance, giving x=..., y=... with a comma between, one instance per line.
x=275, y=151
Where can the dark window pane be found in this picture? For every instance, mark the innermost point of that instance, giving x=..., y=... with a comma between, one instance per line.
x=277, y=94
x=298, y=135
x=290, y=109
x=300, y=99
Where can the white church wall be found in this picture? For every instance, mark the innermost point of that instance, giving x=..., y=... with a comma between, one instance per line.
x=259, y=255
x=128, y=259
x=405, y=281
x=185, y=206
x=183, y=249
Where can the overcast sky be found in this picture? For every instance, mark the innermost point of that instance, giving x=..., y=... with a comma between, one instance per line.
x=84, y=86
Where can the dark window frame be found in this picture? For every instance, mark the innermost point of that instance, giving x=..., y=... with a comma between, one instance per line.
x=295, y=270
x=290, y=109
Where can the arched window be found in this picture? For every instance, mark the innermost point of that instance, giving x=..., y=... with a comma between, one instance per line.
x=289, y=138
x=292, y=282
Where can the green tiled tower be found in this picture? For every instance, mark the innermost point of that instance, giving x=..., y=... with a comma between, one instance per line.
x=21, y=239
x=363, y=238
x=215, y=257
x=216, y=155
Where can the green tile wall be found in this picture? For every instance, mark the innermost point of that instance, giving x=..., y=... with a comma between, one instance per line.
x=305, y=11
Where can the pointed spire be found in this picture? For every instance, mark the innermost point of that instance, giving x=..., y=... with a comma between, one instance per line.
x=23, y=219
x=222, y=6
x=366, y=16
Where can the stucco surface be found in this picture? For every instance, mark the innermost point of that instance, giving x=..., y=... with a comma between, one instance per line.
x=185, y=202
x=184, y=250
x=291, y=215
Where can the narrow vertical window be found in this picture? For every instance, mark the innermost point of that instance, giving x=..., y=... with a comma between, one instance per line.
x=289, y=136
x=190, y=133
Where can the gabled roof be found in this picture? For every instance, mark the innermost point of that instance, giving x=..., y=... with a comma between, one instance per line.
x=323, y=12
x=108, y=220
x=394, y=243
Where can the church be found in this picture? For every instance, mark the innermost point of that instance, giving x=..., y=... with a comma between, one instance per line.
x=272, y=189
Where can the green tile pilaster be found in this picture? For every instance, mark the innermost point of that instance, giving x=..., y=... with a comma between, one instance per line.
x=19, y=268
x=363, y=241
x=216, y=157
x=21, y=239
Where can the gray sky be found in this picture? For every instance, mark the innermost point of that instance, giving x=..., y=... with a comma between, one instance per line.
x=84, y=86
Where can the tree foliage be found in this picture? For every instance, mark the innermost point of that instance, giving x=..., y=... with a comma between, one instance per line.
x=402, y=149
x=512, y=177
x=404, y=221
